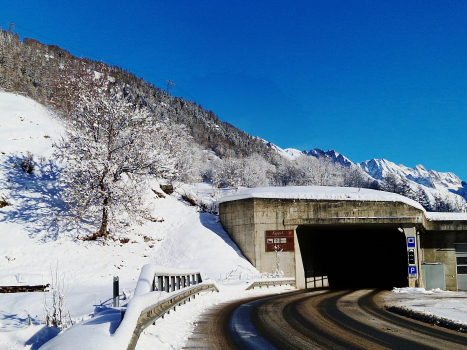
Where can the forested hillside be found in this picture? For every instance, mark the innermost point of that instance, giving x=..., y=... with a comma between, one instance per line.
x=37, y=69
x=203, y=147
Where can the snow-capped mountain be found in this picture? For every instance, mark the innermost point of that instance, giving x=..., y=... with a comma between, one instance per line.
x=289, y=153
x=331, y=154
x=379, y=169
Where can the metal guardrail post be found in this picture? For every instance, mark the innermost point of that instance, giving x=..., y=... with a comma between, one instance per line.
x=166, y=283
x=177, y=282
x=160, y=283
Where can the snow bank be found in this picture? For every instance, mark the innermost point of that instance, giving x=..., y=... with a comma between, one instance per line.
x=436, y=216
x=435, y=305
x=24, y=279
x=320, y=193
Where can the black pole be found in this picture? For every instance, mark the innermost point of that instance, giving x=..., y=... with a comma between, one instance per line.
x=116, y=300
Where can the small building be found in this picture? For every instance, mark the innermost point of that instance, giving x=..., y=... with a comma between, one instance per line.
x=347, y=237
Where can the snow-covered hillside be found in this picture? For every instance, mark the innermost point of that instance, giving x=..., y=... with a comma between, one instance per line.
x=35, y=243
x=26, y=126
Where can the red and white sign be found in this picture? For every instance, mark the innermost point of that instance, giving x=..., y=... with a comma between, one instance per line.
x=279, y=240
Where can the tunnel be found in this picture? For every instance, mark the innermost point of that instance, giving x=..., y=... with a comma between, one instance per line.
x=354, y=256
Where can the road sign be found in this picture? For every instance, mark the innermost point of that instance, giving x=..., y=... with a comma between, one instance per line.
x=412, y=270
x=279, y=240
x=411, y=255
x=411, y=242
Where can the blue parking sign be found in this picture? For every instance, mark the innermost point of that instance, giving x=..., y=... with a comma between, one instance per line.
x=412, y=270
x=411, y=242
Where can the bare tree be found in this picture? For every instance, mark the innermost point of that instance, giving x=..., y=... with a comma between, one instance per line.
x=109, y=145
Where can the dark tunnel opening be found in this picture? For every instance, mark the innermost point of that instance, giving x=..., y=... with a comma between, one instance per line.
x=354, y=256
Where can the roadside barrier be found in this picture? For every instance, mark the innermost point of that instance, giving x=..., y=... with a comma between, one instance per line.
x=188, y=283
x=159, y=290
x=271, y=282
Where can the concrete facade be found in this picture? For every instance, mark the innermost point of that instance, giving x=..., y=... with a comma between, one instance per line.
x=246, y=221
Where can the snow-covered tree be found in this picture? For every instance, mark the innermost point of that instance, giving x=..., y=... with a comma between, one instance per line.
x=391, y=183
x=354, y=177
x=255, y=171
x=405, y=189
x=422, y=198
x=109, y=146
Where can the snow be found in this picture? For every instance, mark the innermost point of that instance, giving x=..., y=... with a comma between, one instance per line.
x=288, y=153
x=446, y=304
x=320, y=193
x=438, y=216
x=22, y=279
x=35, y=243
x=37, y=246
x=291, y=153
x=380, y=168
x=25, y=126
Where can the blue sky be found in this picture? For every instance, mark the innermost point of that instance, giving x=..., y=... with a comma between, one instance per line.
x=369, y=79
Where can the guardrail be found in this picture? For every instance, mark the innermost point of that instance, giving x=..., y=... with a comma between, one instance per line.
x=189, y=283
x=270, y=282
x=159, y=290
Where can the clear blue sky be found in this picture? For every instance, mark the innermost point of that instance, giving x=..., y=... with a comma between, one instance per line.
x=369, y=79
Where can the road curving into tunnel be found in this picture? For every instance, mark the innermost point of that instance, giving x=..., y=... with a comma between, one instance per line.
x=322, y=319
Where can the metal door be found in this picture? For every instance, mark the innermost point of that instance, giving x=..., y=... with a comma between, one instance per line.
x=433, y=275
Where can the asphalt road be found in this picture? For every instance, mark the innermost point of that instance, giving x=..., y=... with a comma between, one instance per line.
x=317, y=319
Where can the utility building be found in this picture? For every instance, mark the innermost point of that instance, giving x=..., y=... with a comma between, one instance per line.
x=347, y=237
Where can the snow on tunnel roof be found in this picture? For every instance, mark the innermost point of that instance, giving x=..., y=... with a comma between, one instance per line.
x=443, y=216
x=319, y=193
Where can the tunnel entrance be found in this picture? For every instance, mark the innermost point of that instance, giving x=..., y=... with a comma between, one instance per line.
x=354, y=256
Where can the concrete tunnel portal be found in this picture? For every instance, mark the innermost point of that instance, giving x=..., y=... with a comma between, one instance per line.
x=347, y=237
x=354, y=256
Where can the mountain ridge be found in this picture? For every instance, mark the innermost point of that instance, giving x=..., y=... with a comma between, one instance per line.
x=380, y=169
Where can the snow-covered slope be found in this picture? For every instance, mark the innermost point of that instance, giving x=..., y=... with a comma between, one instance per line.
x=289, y=153
x=26, y=126
x=35, y=242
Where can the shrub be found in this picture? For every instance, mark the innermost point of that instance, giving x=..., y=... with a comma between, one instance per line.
x=3, y=202
x=27, y=164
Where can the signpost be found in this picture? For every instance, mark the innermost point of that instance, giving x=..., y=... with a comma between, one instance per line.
x=280, y=240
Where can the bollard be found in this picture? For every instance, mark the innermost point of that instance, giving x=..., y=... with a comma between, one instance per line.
x=116, y=300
